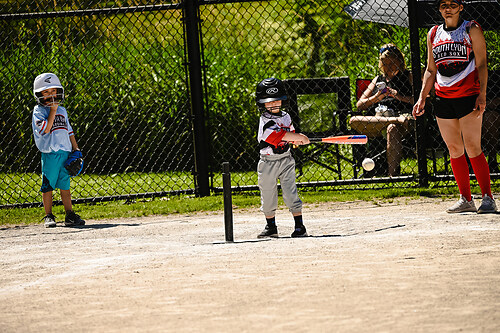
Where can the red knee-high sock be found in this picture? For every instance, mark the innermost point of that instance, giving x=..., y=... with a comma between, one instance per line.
x=482, y=172
x=461, y=173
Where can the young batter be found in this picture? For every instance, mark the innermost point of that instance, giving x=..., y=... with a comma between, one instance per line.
x=276, y=162
x=55, y=139
x=456, y=63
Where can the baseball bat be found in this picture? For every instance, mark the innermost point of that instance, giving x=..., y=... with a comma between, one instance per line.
x=343, y=139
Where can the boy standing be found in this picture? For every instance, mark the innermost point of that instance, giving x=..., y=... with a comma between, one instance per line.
x=55, y=139
x=276, y=162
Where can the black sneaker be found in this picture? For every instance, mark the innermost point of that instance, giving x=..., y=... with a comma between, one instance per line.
x=49, y=221
x=73, y=219
x=300, y=232
x=269, y=232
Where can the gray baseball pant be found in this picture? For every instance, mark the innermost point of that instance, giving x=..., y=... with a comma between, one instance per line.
x=270, y=169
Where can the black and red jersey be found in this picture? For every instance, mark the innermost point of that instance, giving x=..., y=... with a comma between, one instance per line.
x=454, y=57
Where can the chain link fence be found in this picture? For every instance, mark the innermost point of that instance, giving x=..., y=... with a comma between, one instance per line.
x=487, y=14
x=126, y=95
x=130, y=80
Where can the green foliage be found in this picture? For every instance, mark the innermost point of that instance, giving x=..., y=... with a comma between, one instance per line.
x=493, y=47
x=116, y=109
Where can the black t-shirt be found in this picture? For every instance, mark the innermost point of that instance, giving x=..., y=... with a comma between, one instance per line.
x=493, y=90
x=402, y=83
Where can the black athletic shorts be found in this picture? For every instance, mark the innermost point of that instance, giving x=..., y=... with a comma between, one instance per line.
x=454, y=108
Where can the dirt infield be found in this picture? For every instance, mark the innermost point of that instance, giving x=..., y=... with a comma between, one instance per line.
x=403, y=266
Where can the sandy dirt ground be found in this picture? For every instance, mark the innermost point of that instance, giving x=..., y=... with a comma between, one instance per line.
x=402, y=266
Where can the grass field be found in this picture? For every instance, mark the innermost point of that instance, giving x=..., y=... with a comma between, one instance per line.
x=20, y=188
x=185, y=204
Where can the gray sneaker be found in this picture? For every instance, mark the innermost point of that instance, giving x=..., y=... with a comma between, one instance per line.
x=49, y=221
x=462, y=205
x=488, y=205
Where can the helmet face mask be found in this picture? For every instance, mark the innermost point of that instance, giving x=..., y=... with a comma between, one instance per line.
x=48, y=100
x=47, y=81
x=270, y=90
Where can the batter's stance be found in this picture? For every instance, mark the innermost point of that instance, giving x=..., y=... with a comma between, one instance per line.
x=276, y=131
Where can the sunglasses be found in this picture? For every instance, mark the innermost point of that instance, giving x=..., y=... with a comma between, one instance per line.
x=451, y=6
x=458, y=2
x=385, y=48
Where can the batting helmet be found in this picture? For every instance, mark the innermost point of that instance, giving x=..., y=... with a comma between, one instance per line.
x=270, y=90
x=46, y=81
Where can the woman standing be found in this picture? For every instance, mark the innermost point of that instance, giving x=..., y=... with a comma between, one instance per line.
x=456, y=65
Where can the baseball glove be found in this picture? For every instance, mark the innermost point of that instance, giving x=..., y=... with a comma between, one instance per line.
x=74, y=163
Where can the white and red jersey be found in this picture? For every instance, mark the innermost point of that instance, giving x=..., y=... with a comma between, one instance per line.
x=272, y=129
x=456, y=65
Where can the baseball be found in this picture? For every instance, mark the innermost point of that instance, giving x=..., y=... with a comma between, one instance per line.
x=368, y=164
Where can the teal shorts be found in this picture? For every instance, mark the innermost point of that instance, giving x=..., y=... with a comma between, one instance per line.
x=54, y=174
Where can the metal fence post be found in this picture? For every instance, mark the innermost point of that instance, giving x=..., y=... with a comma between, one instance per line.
x=228, y=202
x=423, y=177
x=196, y=89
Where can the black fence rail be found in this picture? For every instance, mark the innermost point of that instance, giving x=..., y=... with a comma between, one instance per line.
x=161, y=94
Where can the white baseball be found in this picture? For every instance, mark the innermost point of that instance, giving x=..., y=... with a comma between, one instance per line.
x=368, y=164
